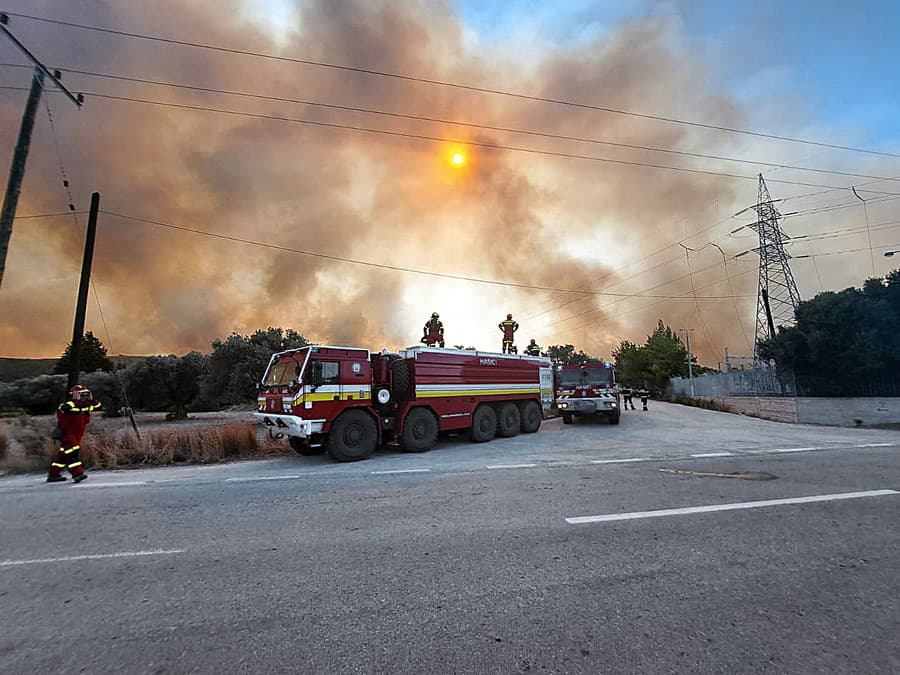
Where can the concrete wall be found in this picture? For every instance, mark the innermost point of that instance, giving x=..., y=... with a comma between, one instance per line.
x=844, y=412
x=866, y=411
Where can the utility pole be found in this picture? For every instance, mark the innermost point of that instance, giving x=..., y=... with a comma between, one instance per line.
x=17, y=170
x=687, y=334
x=83, y=287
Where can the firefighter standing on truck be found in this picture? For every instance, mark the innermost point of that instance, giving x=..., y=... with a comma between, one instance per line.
x=434, y=331
x=533, y=348
x=509, y=327
x=72, y=417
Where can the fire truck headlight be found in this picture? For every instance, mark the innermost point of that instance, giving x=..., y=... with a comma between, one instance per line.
x=614, y=405
x=563, y=405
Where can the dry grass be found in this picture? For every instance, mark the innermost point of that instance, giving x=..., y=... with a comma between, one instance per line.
x=30, y=448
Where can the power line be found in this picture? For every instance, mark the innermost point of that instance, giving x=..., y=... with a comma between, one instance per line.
x=684, y=296
x=50, y=215
x=376, y=265
x=852, y=250
x=641, y=294
x=440, y=139
x=443, y=83
x=472, y=125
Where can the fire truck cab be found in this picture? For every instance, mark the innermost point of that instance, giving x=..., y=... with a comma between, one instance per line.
x=589, y=389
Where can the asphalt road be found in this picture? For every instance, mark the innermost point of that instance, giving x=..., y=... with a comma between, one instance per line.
x=543, y=553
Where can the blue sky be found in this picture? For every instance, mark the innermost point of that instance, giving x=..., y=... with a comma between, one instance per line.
x=840, y=59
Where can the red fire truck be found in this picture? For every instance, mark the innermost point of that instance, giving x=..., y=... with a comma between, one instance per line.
x=588, y=390
x=347, y=400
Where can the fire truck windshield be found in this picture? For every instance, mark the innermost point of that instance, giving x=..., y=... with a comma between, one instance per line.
x=284, y=371
x=597, y=377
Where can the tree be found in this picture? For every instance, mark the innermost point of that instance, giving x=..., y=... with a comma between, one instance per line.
x=567, y=355
x=854, y=331
x=662, y=357
x=167, y=382
x=238, y=362
x=93, y=357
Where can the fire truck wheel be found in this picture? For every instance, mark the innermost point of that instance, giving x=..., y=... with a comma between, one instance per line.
x=301, y=446
x=484, y=424
x=353, y=436
x=420, y=431
x=614, y=417
x=567, y=418
x=399, y=379
x=531, y=417
x=508, y=420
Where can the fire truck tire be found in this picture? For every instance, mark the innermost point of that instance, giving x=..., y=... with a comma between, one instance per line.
x=614, y=417
x=508, y=420
x=353, y=436
x=420, y=431
x=531, y=417
x=484, y=424
x=302, y=447
x=399, y=379
x=567, y=418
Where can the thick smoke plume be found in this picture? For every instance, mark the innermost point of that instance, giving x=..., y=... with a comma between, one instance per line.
x=506, y=215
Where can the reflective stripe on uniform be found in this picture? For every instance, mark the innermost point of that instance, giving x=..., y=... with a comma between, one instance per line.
x=58, y=465
x=74, y=464
x=68, y=451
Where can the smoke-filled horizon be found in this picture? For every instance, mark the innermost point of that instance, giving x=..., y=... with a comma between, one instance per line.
x=517, y=217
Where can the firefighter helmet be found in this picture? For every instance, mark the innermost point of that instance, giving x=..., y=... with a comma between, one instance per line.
x=508, y=317
x=435, y=315
x=80, y=394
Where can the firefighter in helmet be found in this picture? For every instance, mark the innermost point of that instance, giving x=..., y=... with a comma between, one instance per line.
x=533, y=348
x=72, y=417
x=509, y=327
x=627, y=393
x=434, y=331
x=643, y=394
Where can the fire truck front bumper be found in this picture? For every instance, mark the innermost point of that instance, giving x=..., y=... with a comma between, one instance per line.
x=588, y=405
x=290, y=425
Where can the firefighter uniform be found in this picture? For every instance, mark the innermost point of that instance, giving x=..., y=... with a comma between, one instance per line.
x=72, y=417
x=627, y=393
x=509, y=327
x=434, y=332
x=644, y=395
x=533, y=348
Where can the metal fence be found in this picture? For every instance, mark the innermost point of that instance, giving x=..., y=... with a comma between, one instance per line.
x=766, y=380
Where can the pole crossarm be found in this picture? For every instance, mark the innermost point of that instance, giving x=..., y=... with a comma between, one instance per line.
x=52, y=75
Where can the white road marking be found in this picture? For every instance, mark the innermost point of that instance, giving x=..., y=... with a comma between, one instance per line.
x=875, y=445
x=621, y=461
x=781, y=450
x=402, y=471
x=253, y=479
x=123, y=483
x=728, y=507
x=511, y=466
x=98, y=556
x=713, y=454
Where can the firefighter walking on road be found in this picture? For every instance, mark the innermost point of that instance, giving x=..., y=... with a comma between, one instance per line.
x=434, y=331
x=644, y=395
x=509, y=328
x=627, y=393
x=72, y=418
x=533, y=348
